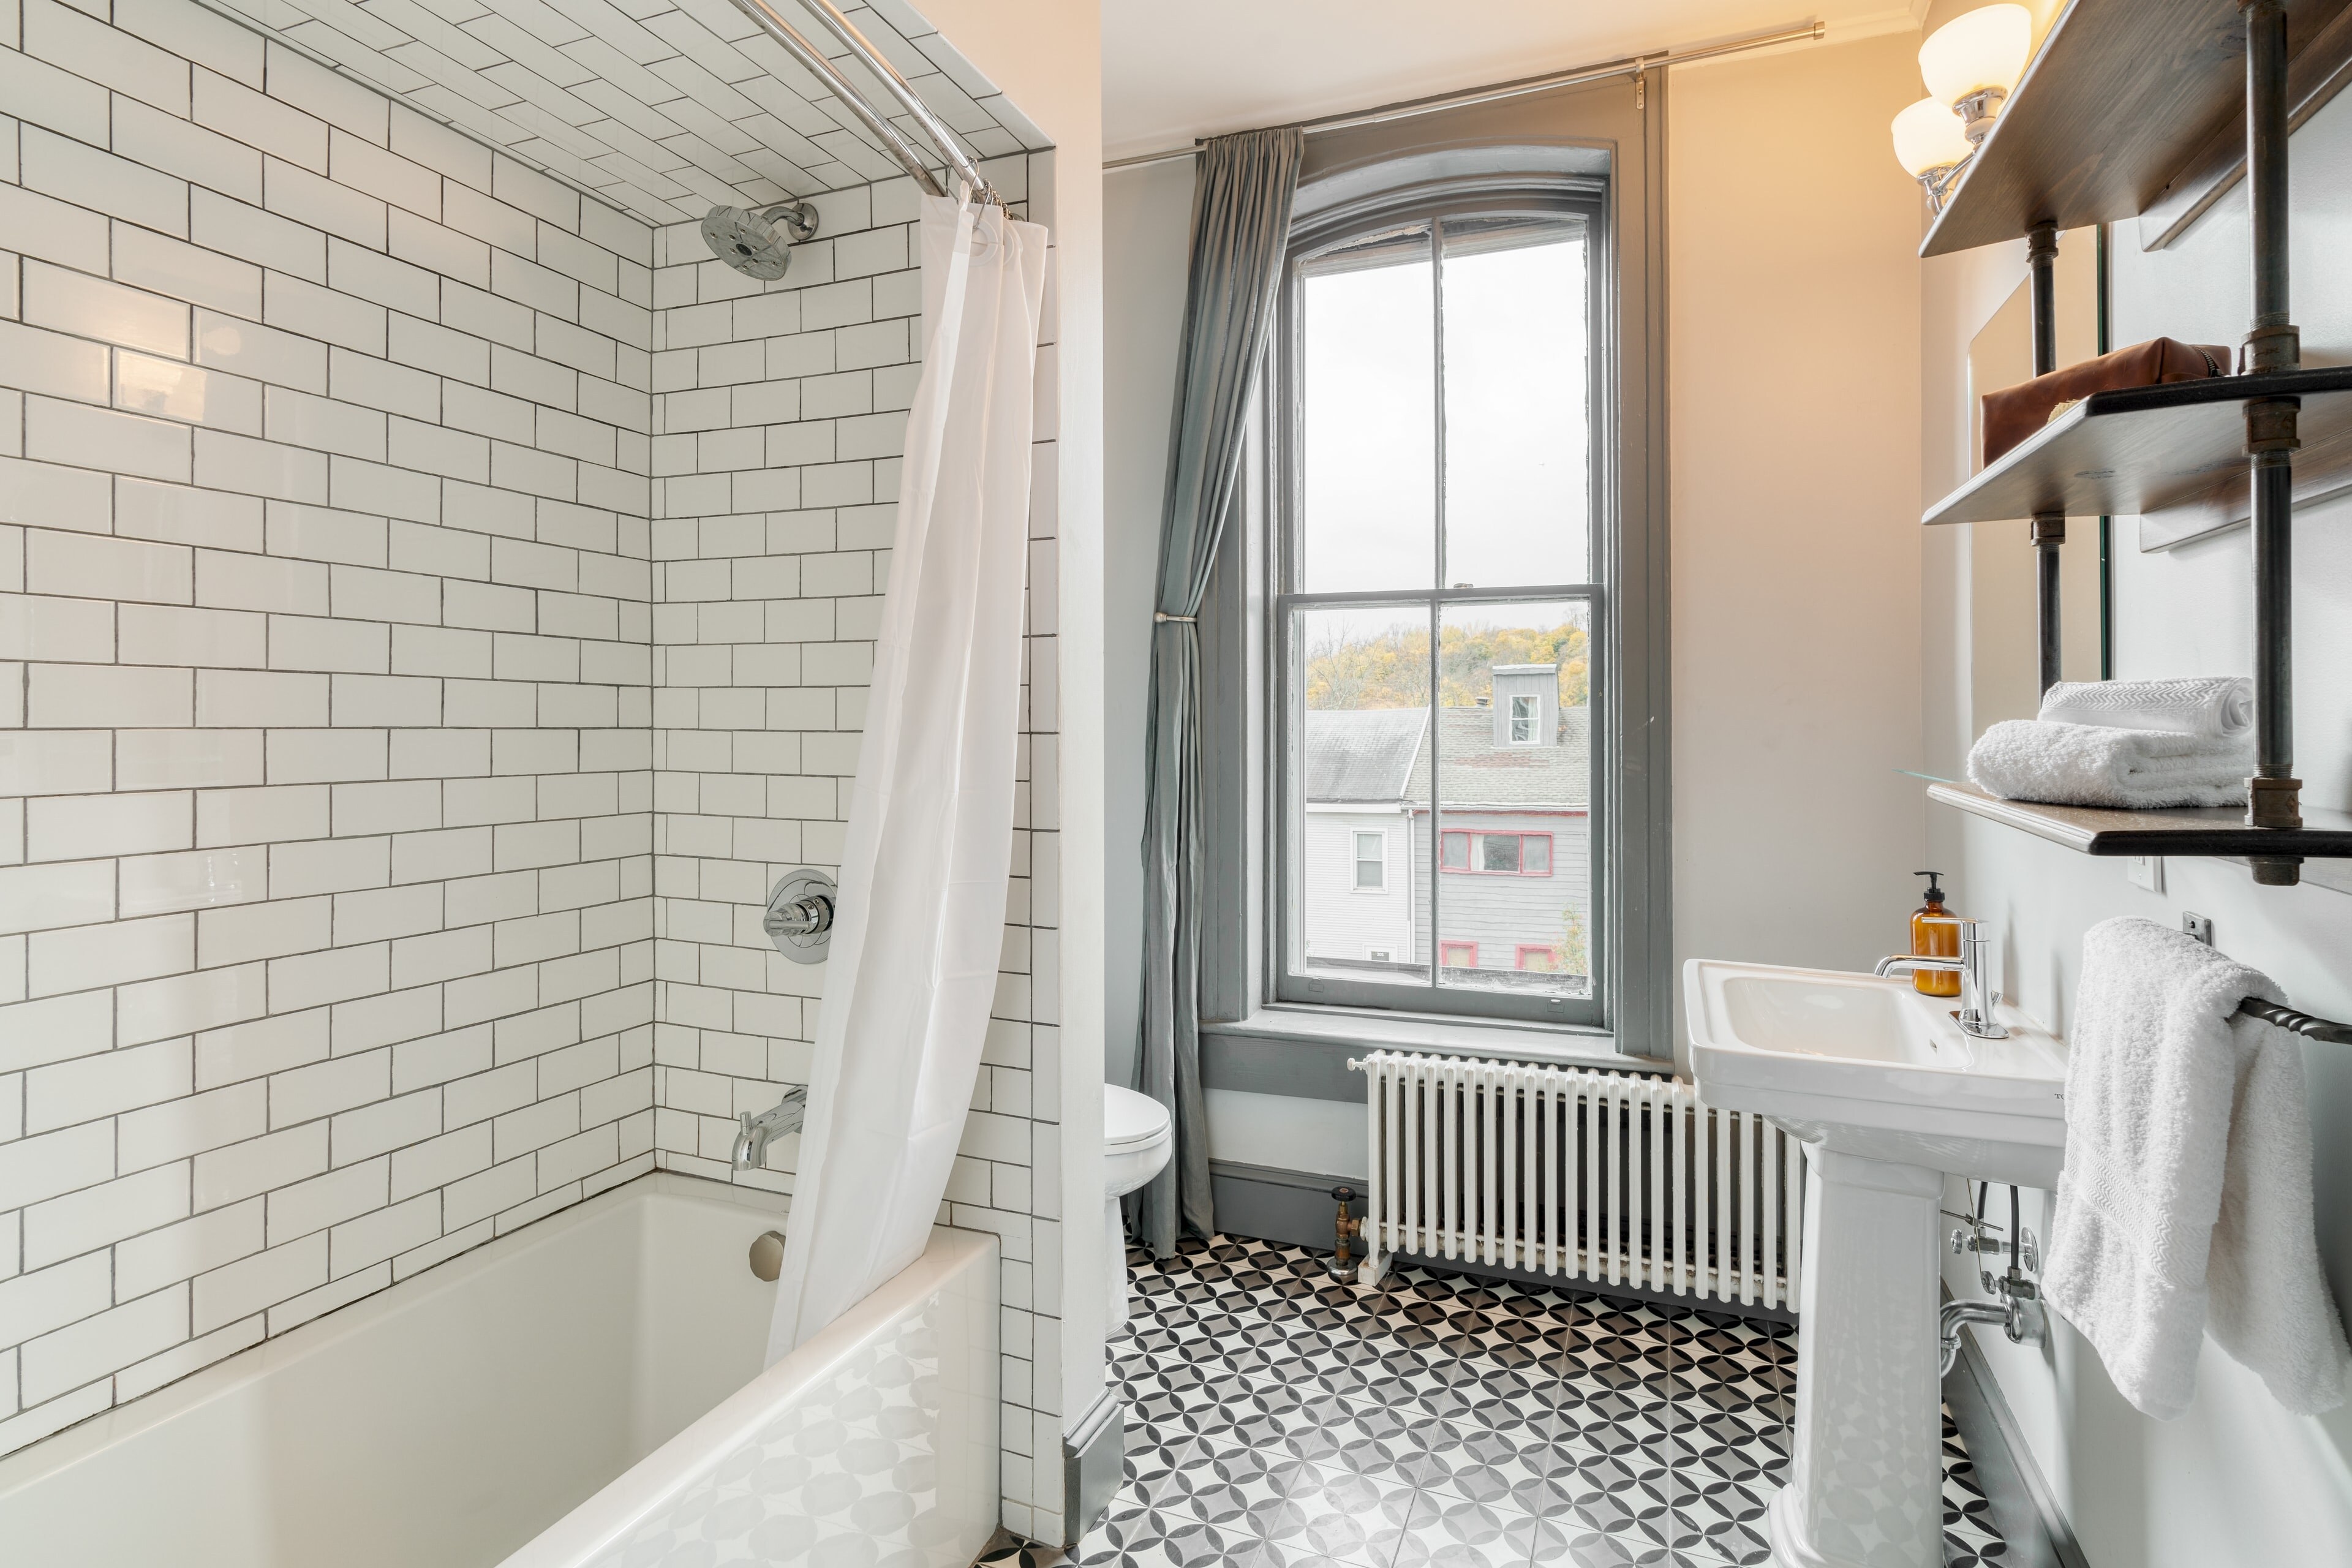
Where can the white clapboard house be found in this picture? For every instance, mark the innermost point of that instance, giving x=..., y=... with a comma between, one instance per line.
x=1513, y=802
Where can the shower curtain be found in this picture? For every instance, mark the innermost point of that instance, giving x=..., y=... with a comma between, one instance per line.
x=921, y=921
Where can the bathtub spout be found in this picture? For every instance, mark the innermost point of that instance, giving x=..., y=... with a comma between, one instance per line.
x=758, y=1132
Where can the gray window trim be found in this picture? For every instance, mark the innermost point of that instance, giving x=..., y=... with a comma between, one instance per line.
x=1543, y=140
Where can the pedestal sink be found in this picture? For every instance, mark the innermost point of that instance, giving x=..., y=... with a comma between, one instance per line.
x=1889, y=1095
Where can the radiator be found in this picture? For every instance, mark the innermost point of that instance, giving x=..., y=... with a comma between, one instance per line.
x=1609, y=1177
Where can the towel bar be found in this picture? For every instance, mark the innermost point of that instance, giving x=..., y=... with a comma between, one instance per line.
x=2300, y=1022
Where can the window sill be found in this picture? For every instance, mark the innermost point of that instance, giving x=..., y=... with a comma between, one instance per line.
x=1367, y=1030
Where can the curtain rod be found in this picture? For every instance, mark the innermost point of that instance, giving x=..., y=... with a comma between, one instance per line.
x=1627, y=65
x=765, y=16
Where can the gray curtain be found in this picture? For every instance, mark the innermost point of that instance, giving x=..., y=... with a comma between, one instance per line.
x=1241, y=224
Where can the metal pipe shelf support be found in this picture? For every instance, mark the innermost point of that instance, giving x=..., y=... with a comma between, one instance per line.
x=2273, y=793
x=2049, y=529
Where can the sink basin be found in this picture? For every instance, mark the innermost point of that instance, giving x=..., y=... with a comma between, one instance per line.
x=1888, y=1094
x=1870, y=1066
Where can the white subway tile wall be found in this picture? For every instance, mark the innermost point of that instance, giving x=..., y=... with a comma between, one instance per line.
x=434, y=608
x=779, y=413
x=326, y=875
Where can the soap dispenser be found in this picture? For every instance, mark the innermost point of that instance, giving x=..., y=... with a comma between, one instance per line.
x=1933, y=936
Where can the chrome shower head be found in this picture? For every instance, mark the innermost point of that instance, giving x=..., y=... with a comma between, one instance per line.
x=758, y=243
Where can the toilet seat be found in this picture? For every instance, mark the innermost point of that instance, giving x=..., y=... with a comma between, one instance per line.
x=1130, y=1119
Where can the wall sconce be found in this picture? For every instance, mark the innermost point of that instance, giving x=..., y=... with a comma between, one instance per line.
x=1969, y=64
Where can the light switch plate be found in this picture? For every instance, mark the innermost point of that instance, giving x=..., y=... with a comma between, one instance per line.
x=2145, y=871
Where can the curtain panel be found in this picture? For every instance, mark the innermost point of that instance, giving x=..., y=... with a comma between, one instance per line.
x=1240, y=224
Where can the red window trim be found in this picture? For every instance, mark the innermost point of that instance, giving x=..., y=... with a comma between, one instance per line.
x=1466, y=869
x=1444, y=948
x=1519, y=953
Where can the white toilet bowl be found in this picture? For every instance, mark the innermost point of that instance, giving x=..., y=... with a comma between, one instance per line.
x=1136, y=1140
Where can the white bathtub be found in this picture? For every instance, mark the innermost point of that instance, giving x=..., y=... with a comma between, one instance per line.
x=586, y=1391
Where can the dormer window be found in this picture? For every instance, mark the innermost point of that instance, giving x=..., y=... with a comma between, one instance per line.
x=1524, y=713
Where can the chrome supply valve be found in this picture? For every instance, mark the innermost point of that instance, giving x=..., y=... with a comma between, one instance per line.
x=1345, y=1230
x=1977, y=998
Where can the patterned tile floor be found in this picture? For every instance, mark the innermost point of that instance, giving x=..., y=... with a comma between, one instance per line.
x=1277, y=1420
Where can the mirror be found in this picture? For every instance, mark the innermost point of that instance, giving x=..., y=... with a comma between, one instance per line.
x=2004, y=674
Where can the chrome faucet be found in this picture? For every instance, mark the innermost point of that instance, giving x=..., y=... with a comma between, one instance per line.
x=1975, y=1017
x=758, y=1132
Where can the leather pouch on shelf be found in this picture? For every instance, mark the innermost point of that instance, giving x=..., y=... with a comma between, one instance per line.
x=2016, y=412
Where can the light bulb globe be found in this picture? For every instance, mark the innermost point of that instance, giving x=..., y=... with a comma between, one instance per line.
x=1984, y=49
x=1928, y=135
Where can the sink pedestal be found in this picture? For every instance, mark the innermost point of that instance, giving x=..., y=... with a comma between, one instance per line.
x=1865, y=1478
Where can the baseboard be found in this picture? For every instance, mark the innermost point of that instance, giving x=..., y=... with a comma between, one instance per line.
x=2024, y=1509
x=1292, y=1208
x=1295, y=1209
x=1093, y=1461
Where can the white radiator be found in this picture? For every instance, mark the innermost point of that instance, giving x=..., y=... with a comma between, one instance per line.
x=1609, y=1177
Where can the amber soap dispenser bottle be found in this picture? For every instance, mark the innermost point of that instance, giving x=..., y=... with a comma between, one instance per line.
x=1932, y=939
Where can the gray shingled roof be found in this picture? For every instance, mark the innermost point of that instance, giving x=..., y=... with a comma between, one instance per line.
x=1475, y=770
x=1364, y=753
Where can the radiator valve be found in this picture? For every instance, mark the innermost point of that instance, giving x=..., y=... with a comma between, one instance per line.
x=1346, y=1229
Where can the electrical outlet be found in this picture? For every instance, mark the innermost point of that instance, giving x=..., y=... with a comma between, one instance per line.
x=2199, y=926
x=2145, y=871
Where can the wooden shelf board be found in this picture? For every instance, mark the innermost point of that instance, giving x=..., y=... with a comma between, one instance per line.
x=2123, y=96
x=2177, y=449
x=2092, y=830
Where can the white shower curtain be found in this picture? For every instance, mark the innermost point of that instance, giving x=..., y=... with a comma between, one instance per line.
x=921, y=921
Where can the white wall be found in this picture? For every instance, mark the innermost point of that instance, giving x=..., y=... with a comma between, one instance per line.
x=1147, y=229
x=1795, y=452
x=325, y=909
x=2236, y=1481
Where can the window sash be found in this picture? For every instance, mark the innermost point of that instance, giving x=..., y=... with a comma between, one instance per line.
x=1286, y=978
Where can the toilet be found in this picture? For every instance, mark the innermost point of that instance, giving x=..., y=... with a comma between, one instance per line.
x=1137, y=1137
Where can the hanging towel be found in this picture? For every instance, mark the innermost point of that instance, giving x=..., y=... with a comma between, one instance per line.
x=2088, y=764
x=2186, y=1198
x=2217, y=707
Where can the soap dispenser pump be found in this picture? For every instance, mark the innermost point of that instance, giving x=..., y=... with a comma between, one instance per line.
x=1933, y=935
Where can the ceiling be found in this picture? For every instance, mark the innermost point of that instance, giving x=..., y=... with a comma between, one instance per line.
x=1172, y=72
x=665, y=108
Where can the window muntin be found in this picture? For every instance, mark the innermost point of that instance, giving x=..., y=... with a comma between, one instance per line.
x=1371, y=862
x=1402, y=601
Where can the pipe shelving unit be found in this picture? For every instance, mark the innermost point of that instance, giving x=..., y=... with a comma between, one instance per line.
x=2121, y=92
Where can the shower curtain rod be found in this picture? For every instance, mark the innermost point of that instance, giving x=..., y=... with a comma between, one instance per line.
x=1628, y=65
x=855, y=42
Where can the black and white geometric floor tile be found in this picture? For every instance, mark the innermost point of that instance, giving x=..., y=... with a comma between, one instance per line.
x=1278, y=1420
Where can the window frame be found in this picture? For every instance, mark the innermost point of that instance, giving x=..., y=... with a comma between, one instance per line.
x=1533, y=721
x=1611, y=134
x=1585, y=198
x=1359, y=860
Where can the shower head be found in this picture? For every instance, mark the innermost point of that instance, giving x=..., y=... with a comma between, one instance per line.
x=758, y=243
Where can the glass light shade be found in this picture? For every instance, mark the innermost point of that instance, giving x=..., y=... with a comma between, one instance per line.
x=1929, y=136
x=1986, y=48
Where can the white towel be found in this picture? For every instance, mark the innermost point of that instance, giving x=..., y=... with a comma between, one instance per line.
x=2217, y=707
x=2186, y=1188
x=2086, y=765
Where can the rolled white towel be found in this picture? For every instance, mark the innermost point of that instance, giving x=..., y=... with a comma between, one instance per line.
x=2086, y=765
x=2218, y=707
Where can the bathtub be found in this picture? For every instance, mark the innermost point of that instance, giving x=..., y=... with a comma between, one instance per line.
x=585, y=1392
